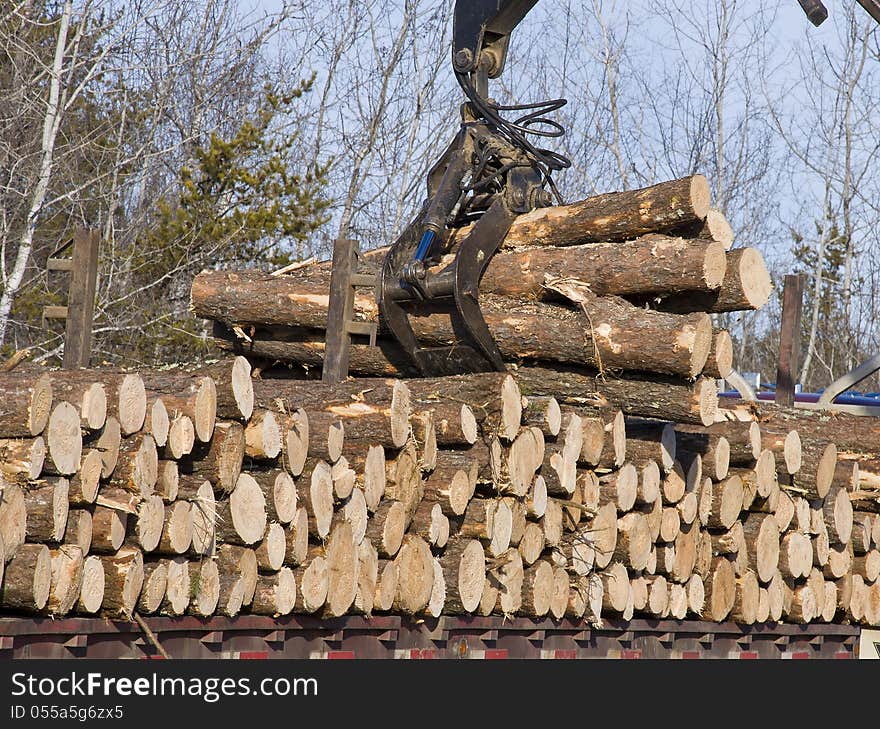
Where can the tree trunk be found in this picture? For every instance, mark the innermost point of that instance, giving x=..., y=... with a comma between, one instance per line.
x=123, y=579
x=26, y=405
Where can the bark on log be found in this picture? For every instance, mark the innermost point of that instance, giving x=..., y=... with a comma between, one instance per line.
x=220, y=460
x=464, y=570
x=177, y=529
x=137, y=468
x=651, y=398
x=177, y=587
x=123, y=579
x=746, y=286
x=22, y=459
x=79, y=529
x=415, y=576
x=721, y=589
x=761, y=534
x=184, y=394
x=297, y=538
x=275, y=594
x=27, y=405
x=47, y=508
x=205, y=588
x=27, y=579
x=154, y=586
x=507, y=573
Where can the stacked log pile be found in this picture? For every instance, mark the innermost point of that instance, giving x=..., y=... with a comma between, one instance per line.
x=599, y=477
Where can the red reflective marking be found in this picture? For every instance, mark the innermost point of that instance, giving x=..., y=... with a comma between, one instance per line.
x=566, y=653
x=495, y=653
x=253, y=655
x=630, y=654
x=690, y=655
x=800, y=655
x=843, y=655
x=749, y=655
x=340, y=655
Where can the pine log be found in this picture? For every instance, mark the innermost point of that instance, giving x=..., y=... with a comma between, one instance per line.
x=181, y=437
x=126, y=396
x=137, y=468
x=620, y=488
x=79, y=529
x=650, y=398
x=617, y=589
x=107, y=444
x=63, y=440
x=67, y=575
x=108, y=529
x=203, y=515
x=275, y=594
x=861, y=532
x=84, y=484
x=233, y=385
x=177, y=587
x=177, y=529
x=91, y=594
x=238, y=577
x=279, y=490
x=674, y=484
x=532, y=543
x=184, y=394
x=543, y=412
x=415, y=576
x=761, y=534
x=367, y=580
x=204, y=588
x=720, y=589
x=867, y=565
x=508, y=574
x=148, y=525
x=47, y=508
x=220, y=460
x=157, y=422
x=464, y=570
x=295, y=447
x=154, y=586
x=727, y=499
x=123, y=579
x=296, y=536
x=837, y=512
x=270, y=551
x=746, y=286
x=651, y=441
x=22, y=459
x=241, y=519
x=27, y=405
x=27, y=579
x=745, y=604
x=385, y=529
x=537, y=589
x=386, y=585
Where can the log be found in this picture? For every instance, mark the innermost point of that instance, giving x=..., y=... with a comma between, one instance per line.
x=508, y=574
x=449, y=487
x=296, y=536
x=580, y=551
x=538, y=581
x=657, y=397
x=795, y=555
x=123, y=579
x=270, y=551
x=168, y=481
x=91, y=594
x=203, y=519
x=633, y=541
x=604, y=534
x=279, y=490
x=275, y=594
x=867, y=565
x=837, y=512
x=746, y=287
x=189, y=395
x=542, y=412
x=177, y=587
x=727, y=499
x=176, y=535
x=181, y=437
x=617, y=589
x=761, y=535
x=527, y=455
x=27, y=579
x=342, y=563
x=720, y=589
x=241, y=519
x=47, y=508
x=620, y=488
x=220, y=460
x=560, y=595
x=27, y=405
x=13, y=517
x=295, y=447
x=79, y=529
x=713, y=449
x=719, y=363
x=137, y=468
x=107, y=444
x=154, y=586
x=233, y=385
x=22, y=459
x=66, y=582
x=532, y=543
x=385, y=529
x=746, y=600
x=464, y=571
x=386, y=586
x=438, y=592
x=674, y=484
x=367, y=580
x=157, y=422
x=108, y=529
x=415, y=576
x=64, y=439
x=149, y=521
x=84, y=484
x=204, y=588
x=651, y=441
x=237, y=568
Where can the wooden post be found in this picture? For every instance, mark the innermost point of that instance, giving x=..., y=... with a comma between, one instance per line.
x=340, y=327
x=81, y=299
x=789, y=339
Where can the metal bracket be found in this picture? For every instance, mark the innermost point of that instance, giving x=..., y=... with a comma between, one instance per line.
x=853, y=377
x=340, y=312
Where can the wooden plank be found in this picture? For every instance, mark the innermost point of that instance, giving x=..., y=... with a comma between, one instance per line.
x=339, y=311
x=81, y=299
x=789, y=339
x=54, y=312
x=59, y=264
